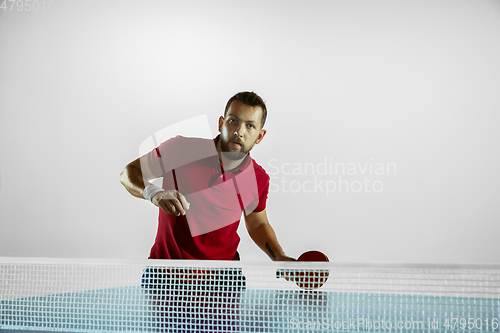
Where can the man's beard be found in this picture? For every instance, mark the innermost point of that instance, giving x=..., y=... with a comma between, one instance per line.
x=232, y=155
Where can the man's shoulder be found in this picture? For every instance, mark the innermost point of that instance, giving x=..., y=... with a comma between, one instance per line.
x=181, y=150
x=192, y=140
x=193, y=144
x=260, y=172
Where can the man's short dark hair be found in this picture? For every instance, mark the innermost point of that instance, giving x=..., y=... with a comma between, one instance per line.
x=251, y=99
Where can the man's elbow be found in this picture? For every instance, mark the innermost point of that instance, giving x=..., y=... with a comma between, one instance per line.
x=124, y=176
x=254, y=225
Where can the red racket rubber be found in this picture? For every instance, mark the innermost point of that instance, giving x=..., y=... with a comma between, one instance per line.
x=308, y=279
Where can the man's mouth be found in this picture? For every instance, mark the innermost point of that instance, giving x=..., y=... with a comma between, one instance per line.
x=236, y=143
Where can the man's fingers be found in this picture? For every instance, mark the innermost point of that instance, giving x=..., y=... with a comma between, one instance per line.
x=164, y=205
x=183, y=200
x=171, y=202
x=168, y=207
x=178, y=207
x=172, y=206
x=185, y=204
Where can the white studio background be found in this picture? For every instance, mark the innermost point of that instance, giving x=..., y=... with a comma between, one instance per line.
x=404, y=95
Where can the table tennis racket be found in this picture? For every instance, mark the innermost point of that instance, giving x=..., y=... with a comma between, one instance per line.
x=307, y=278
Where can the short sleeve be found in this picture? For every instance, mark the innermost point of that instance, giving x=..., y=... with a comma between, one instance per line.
x=158, y=158
x=263, y=194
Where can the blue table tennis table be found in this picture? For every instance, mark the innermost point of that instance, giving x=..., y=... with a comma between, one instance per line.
x=134, y=309
x=355, y=299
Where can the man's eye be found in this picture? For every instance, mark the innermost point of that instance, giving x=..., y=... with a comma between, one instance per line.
x=251, y=126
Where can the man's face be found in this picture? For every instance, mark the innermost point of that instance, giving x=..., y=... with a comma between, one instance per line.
x=240, y=130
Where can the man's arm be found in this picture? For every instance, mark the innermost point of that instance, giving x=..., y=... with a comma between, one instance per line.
x=263, y=235
x=135, y=178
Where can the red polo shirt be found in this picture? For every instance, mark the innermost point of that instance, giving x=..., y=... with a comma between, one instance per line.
x=217, y=199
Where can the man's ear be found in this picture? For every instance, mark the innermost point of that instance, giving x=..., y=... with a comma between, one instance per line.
x=221, y=121
x=261, y=136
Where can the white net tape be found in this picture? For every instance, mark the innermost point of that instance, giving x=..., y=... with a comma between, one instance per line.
x=209, y=296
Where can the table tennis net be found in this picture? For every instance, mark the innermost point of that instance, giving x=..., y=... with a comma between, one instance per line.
x=214, y=296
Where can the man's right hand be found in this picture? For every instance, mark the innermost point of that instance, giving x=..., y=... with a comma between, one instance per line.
x=171, y=202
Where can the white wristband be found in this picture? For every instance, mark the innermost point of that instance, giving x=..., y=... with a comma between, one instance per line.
x=150, y=191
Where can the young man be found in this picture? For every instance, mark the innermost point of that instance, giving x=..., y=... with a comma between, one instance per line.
x=207, y=184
